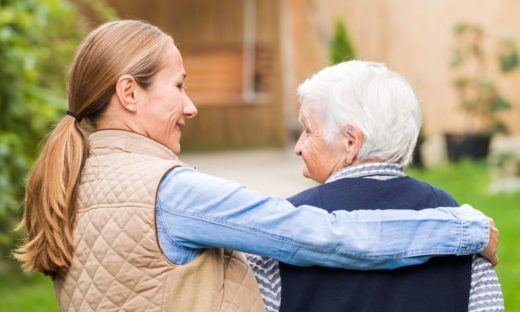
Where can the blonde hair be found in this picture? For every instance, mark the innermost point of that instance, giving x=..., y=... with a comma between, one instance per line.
x=110, y=51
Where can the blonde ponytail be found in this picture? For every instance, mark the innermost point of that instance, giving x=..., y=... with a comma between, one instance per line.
x=110, y=51
x=50, y=200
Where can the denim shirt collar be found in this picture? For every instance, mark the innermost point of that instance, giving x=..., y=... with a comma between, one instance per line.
x=368, y=170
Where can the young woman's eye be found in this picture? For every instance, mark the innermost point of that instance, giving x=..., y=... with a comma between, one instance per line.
x=181, y=86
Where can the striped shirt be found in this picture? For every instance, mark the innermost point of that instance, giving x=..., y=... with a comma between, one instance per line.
x=485, y=292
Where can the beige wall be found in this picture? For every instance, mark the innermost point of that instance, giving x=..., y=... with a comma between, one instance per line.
x=415, y=38
x=205, y=24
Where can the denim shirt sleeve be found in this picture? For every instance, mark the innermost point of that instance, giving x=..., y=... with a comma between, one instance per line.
x=196, y=211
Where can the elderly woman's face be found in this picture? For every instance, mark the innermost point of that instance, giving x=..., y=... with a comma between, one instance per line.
x=164, y=105
x=321, y=159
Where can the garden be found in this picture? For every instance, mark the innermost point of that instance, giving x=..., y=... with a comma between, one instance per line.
x=37, y=42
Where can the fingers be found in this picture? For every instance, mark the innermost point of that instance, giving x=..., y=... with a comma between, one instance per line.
x=490, y=251
x=494, y=261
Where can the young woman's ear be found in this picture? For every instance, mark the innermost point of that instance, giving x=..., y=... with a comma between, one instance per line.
x=353, y=142
x=126, y=89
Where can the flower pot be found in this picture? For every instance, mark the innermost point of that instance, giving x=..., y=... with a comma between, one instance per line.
x=472, y=145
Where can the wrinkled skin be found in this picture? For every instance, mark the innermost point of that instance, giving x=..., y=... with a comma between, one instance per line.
x=321, y=159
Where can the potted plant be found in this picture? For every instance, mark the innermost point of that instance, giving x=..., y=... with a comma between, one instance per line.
x=478, y=95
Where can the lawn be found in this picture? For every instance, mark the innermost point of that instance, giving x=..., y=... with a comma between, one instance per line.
x=467, y=182
x=34, y=294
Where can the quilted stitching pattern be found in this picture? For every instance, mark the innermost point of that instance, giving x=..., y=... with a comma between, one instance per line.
x=118, y=264
x=110, y=241
x=241, y=292
x=118, y=183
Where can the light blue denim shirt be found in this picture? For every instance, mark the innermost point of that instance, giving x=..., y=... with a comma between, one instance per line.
x=196, y=211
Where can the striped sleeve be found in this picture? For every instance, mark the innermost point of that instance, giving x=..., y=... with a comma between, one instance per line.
x=267, y=273
x=485, y=293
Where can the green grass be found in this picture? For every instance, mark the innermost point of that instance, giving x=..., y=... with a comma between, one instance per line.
x=467, y=182
x=35, y=293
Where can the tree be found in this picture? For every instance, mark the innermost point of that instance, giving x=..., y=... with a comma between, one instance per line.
x=341, y=49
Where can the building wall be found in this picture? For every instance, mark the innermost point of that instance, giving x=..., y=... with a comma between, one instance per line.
x=415, y=39
x=218, y=24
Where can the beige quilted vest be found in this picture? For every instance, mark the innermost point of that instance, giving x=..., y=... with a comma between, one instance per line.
x=118, y=264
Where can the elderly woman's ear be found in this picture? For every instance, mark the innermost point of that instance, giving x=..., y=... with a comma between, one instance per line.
x=353, y=140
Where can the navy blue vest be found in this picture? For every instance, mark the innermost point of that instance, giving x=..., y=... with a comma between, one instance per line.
x=442, y=284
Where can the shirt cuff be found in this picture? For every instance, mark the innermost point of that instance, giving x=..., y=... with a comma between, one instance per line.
x=475, y=230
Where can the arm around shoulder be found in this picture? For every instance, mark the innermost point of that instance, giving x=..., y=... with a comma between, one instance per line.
x=201, y=211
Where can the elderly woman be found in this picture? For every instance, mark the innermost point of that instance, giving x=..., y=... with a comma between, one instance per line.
x=120, y=223
x=360, y=125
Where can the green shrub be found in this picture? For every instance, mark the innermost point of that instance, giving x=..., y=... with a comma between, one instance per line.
x=341, y=49
x=37, y=43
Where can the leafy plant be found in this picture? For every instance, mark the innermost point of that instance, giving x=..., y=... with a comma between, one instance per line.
x=508, y=57
x=477, y=93
x=341, y=49
x=37, y=42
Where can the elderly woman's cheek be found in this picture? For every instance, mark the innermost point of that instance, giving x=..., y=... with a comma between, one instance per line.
x=312, y=159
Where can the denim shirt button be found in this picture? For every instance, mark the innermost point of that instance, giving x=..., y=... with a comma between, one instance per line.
x=479, y=245
x=467, y=248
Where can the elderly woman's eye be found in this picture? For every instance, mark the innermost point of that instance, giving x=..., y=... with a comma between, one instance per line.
x=181, y=86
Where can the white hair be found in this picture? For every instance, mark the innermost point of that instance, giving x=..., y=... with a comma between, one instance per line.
x=378, y=101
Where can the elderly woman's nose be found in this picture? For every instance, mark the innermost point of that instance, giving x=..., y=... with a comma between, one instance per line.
x=298, y=147
x=189, y=108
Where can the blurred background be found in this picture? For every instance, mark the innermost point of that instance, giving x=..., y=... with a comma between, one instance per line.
x=244, y=60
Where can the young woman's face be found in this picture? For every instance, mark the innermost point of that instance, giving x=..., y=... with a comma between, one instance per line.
x=165, y=104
